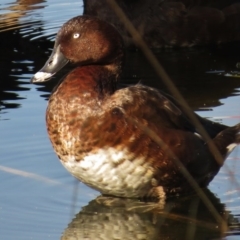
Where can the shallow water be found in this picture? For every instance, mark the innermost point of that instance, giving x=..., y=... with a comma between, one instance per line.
x=39, y=198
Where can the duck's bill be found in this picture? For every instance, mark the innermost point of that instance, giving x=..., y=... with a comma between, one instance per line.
x=55, y=62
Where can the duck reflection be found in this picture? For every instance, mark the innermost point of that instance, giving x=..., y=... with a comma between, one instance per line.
x=179, y=218
x=179, y=23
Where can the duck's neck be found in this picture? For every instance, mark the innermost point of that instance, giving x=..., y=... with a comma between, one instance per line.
x=99, y=80
x=108, y=77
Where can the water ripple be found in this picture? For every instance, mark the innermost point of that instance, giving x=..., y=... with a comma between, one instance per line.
x=38, y=18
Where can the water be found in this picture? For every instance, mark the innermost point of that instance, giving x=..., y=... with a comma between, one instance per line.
x=39, y=198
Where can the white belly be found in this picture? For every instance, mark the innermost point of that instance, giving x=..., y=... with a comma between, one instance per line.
x=108, y=171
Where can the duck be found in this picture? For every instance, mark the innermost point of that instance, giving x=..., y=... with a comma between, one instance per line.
x=168, y=23
x=97, y=129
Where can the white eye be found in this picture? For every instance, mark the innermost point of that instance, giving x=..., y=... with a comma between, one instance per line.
x=76, y=35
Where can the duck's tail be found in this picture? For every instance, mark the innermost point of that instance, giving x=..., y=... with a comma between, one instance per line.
x=227, y=140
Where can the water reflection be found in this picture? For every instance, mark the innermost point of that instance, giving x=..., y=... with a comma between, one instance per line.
x=188, y=68
x=18, y=61
x=12, y=13
x=183, y=218
x=21, y=55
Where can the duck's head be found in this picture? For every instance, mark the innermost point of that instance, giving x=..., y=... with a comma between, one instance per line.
x=84, y=40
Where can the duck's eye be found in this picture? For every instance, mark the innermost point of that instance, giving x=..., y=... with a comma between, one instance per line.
x=76, y=35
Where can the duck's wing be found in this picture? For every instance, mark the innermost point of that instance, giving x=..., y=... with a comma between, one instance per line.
x=212, y=128
x=143, y=105
x=127, y=115
x=160, y=109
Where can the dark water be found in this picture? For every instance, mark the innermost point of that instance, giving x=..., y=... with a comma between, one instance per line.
x=39, y=198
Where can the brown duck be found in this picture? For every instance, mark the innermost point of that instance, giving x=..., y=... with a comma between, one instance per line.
x=94, y=128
